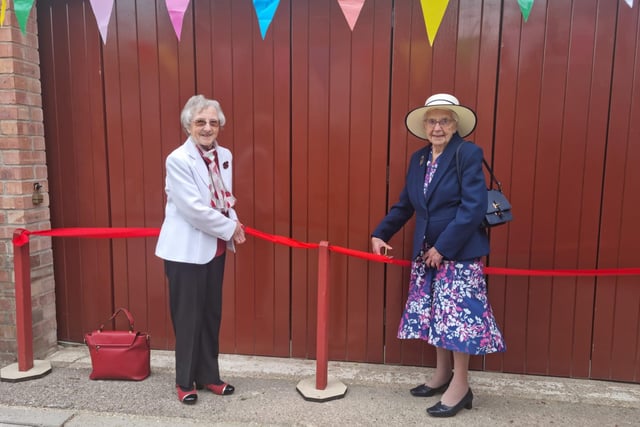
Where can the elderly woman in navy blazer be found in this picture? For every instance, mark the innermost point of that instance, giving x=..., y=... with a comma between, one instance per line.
x=200, y=225
x=447, y=302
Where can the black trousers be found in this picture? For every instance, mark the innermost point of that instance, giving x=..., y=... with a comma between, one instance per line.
x=195, y=300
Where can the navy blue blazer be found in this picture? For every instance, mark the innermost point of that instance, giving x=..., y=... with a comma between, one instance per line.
x=450, y=216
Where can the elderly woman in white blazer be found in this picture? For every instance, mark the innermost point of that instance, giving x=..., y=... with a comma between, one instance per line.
x=200, y=225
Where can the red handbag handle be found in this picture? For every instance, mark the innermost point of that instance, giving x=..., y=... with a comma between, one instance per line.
x=126, y=312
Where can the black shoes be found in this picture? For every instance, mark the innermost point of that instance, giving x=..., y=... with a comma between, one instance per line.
x=424, y=390
x=440, y=410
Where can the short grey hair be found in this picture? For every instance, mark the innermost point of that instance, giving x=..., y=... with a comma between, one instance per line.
x=196, y=104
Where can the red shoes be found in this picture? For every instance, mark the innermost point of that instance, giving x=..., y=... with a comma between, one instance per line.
x=188, y=397
x=223, y=389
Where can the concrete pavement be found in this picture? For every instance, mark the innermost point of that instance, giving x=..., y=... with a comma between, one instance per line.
x=266, y=395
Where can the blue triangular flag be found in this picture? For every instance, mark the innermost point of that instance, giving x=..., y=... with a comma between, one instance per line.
x=265, y=9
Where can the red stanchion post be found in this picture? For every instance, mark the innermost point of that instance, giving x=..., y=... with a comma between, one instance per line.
x=22, y=270
x=322, y=339
x=324, y=388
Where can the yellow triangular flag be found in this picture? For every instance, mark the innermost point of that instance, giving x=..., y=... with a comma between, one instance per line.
x=433, y=11
x=3, y=9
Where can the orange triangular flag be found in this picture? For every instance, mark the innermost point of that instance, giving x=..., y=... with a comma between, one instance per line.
x=433, y=11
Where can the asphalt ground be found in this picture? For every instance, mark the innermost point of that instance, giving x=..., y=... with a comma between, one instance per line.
x=267, y=395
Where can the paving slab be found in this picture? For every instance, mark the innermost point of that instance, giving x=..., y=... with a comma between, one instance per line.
x=266, y=395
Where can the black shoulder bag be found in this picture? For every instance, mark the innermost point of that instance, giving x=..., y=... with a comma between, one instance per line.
x=498, y=207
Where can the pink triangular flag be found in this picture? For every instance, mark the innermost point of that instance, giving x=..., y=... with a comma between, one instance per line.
x=102, y=10
x=351, y=10
x=176, y=10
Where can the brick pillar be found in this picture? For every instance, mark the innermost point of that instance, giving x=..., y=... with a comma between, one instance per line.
x=22, y=165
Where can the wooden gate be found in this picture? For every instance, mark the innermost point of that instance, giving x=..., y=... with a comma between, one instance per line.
x=316, y=124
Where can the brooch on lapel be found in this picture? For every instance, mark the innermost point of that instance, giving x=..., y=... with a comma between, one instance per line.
x=225, y=165
x=421, y=160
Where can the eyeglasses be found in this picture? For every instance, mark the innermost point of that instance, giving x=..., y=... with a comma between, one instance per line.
x=200, y=123
x=442, y=122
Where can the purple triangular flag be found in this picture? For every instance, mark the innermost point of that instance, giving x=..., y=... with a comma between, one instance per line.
x=102, y=10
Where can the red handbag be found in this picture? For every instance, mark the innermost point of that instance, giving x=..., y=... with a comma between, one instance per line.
x=119, y=355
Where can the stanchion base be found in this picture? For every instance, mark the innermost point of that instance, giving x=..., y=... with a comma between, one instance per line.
x=335, y=390
x=13, y=374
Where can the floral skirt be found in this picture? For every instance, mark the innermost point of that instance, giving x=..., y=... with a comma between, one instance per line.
x=448, y=308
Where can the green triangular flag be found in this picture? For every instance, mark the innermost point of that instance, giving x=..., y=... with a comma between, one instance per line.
x=525, y=7
x=22, y=8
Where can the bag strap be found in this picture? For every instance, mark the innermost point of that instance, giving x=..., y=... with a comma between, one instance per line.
x=486, y=165
x=113, y=316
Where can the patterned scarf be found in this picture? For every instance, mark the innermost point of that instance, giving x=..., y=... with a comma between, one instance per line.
x=221, y=198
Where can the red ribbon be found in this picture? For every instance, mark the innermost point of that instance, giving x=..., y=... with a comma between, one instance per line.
x=105, y=233
x=96, y=233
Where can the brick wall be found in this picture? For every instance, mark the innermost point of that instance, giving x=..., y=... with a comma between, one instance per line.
x=22, y=164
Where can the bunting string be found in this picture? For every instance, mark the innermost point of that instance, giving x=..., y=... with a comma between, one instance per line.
x=433, y=12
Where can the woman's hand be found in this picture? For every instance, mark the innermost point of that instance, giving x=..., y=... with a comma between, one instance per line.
x=238, y=234
x=380, y=247
x=432, y=258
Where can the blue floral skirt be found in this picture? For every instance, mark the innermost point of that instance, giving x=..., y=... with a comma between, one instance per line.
x=448, y=308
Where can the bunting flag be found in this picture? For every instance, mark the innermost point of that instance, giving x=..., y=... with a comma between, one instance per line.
x=433, y=11
x=176, y=10
x=525, y=7
x=351, y=10
x=3, y=10
x=22, y=8
x=102, y=11
x=265, y=9
x=629, y=2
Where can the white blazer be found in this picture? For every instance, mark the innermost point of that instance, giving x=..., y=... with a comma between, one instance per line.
x=191, y=227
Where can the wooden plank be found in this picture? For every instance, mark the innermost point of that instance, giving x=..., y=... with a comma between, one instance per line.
x=318, y=197
x=340, y=67
x=263, y=167
x=552, y=42
x=484, y=136
x=381, y=20
x=281, y=214
x=396, y=277
x=48, y=15
x=300, y=98
x=616, y=334
x=571, y=320
x=505, y=242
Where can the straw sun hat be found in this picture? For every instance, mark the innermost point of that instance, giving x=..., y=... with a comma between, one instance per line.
x=441, y=101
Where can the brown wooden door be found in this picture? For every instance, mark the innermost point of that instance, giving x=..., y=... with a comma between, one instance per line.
x=77, y=166
x=316, y=125
x=339, y=128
